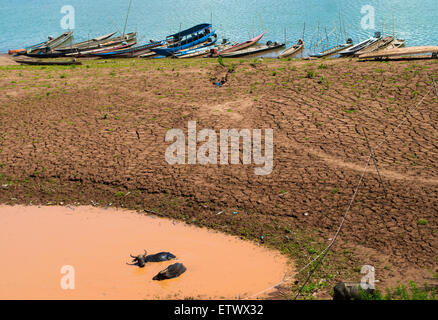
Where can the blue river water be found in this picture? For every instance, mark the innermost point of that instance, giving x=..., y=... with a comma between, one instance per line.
x=327, y=22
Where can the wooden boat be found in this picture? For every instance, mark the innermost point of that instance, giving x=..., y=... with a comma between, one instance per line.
x=196, y=52
x=111, y=44
x=396, y=43
x=23, y=51
x=130, y=52
x=253, y=50
x=34, y=62
x=50, y=45
x=90, y=53
x=207, y=44
x=360, y=46
x=203, y=52
x=85, y=44
x=334, y=50
x=378, y=45
x=397, y=52
x=241, y=46
x=186, y=39
x=292, y=51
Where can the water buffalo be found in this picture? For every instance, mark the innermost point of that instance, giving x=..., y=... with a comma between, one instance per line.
x=142, y=259
x=348, y=291
x=172, y=271
x=159, y=257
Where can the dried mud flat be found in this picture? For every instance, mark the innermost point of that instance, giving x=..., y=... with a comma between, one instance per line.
x=94, y=134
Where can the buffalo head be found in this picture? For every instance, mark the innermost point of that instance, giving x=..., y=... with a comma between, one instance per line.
x=140, y=259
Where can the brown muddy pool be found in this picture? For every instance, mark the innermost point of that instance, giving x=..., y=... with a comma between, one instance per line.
x=37, y=242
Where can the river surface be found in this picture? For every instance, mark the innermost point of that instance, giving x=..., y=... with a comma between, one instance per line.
x=27, y=22
x=83, y=253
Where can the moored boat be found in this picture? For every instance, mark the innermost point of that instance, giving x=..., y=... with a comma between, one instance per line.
x=242, y=45
x=35, y=62
x=131, y=52
x=396, y=43
x=90, y=53
x=204, y=52
x=45, y=46
x=292, y=51
x=121, y=42
x=253, y=50
x=397, y=52
x=334, y=50
x=186, y=39
x=89, y=44
x=50, y=45
x=378, y=45
x=360, y=46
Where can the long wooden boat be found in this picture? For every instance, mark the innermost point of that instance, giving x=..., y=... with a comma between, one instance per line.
x=23, y=51
x=186, y=39
x=401, y=52
x=360, y=46
x=253, y=50
x=378, y=45
x=89, y=44
x=203, y=52
x=34, y=62
x=292, y=51
x=130, y=52
x=112, y=44
x=114, y=47
x=396, y=43
x=51, y=45
x=241, y=46
x=202, y=46
x=45, y=45
x=334, y=50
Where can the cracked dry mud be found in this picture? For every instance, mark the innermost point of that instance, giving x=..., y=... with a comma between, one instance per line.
x=97, y=133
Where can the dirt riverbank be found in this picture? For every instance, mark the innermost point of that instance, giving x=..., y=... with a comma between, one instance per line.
x=94, y=134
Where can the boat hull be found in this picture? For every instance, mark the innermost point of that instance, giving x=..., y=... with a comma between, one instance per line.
x=251, y=51
x=242, y=45
x=167, y=52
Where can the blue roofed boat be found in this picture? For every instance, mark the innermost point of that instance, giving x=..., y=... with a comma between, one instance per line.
x=186, y=39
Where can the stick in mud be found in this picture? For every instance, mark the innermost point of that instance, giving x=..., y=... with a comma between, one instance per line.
x=434, y=85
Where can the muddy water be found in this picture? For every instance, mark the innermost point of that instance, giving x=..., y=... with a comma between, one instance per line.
x=35, y=243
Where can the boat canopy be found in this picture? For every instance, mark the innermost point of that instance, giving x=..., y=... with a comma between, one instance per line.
x=196, y=29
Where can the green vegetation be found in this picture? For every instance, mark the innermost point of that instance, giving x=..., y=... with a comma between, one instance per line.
x=402, y=292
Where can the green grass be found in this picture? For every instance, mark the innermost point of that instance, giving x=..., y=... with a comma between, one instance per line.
x=402, y=292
